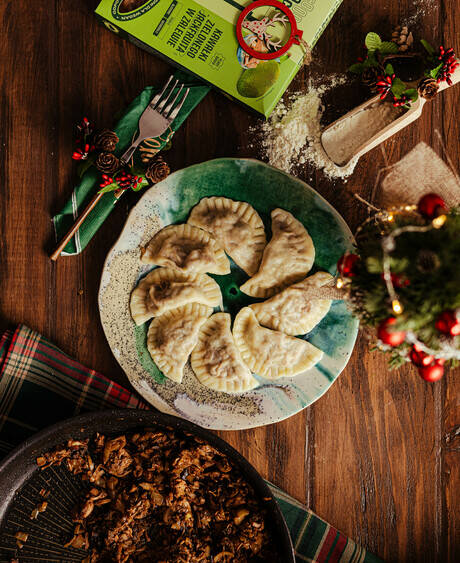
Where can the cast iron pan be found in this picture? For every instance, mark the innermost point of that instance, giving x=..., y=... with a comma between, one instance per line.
x=21, y=481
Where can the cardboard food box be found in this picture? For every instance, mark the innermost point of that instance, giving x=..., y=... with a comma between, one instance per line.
x=200, y=37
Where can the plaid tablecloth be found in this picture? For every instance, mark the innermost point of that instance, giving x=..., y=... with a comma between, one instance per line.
x=41, y=385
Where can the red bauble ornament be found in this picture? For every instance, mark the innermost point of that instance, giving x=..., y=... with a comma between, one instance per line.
x=448, y=323
x=420, y=358
x=347, y=265
x=431, y=206
x=433, y=372
x=397, y=281
x=389, y=337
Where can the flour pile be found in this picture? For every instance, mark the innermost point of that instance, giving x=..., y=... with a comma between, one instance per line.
x=292, y=134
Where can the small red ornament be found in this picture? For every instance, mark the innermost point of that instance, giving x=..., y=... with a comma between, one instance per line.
x=420, y=358
x=397, y=281
x=433, y=372
x=389, y=337
x=448, y=323
x=347, y=265
x=431, y=206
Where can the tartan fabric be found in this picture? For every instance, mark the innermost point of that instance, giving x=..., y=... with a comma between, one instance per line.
x=125, y=129
x=41, y=385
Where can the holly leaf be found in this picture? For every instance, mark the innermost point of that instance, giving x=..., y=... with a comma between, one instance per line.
x=109, y=188
x=373, y=41
x=411, y=93
x=398, y=87
x=141, y=184
x=427, y=46
x=435, y=71
x=388, y=48
x=357, y=68
x=389, y=69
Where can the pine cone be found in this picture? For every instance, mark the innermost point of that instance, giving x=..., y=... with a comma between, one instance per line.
x=403, y=38
x=107, y=163
x=106, y=141
x=370, y=76
x=157, y=170
x=428, y=88
x=427, y=261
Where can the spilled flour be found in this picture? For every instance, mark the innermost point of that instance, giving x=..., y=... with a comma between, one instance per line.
x=292, y=134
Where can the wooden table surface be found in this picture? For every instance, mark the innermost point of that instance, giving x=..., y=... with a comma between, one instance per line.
x=378, y=455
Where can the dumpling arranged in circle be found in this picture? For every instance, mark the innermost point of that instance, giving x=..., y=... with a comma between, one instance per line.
x=187, y=249
x=172, y=337
x=295, y=310
x=237, y=228
x=287, y=258
x=164, y=289
x=216, y=360
x=271, y=353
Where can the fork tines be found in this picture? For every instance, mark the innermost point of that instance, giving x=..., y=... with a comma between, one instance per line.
x=160, y=101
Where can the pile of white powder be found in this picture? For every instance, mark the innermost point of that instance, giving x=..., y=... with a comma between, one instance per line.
x=292, y=134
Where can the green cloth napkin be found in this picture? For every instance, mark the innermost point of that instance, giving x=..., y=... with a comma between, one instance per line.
x=89, y=183
x=41, y=385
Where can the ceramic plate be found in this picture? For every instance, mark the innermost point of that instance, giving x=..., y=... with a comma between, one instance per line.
x=169, y=202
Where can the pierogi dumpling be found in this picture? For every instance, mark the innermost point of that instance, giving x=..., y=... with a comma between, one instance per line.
x=293, y=311
x=216, y=360
x=172, y=337
x=187, y=249
x=164, y=289
x=287, y=258
x=271, y=353
x=237, y=228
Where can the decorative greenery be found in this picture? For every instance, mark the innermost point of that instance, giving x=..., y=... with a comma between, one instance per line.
x=98, y=150
x=425, y=272
x=392, y=87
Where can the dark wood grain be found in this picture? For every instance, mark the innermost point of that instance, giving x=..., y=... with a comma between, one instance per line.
x=378, y=455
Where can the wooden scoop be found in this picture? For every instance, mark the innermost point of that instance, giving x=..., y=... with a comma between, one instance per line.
x=368, y=125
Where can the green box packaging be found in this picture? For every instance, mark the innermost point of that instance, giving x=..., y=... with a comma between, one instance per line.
x=200, y=37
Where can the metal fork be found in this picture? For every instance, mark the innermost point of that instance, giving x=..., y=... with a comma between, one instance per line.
x=158, y=115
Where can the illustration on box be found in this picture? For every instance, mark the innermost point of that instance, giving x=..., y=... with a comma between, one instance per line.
x=265, y=34
x=250, y=51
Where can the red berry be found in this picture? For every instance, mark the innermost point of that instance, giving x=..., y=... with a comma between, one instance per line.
x=448, y=323
x=347, y=265
x=432, y=372
x=431, y=206
x=388, y=336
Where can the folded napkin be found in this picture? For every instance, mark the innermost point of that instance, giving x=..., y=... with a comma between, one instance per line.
x=41, y=385
x=125, y=129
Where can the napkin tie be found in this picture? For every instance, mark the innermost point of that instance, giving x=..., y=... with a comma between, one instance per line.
x=87, y=186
